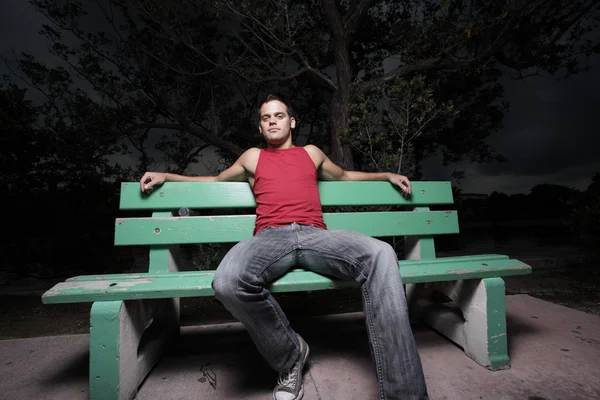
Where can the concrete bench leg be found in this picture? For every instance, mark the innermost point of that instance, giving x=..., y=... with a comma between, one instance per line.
x=476, y=320
x=126, y=340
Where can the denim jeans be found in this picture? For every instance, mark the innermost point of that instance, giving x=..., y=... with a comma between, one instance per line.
x=242, y=279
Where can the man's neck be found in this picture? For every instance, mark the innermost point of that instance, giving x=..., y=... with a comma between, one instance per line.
x=286, y=145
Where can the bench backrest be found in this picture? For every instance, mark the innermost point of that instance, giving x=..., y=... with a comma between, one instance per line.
x=163, y=229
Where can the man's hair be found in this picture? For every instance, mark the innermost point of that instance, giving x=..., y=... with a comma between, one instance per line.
x=272, y=97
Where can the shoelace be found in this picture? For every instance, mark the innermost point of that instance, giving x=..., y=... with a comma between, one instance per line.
x=286, y=378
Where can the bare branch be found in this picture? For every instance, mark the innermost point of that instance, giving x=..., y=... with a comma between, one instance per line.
x=320, y=77
x=190, y=157
x=93, y=47
x=442, y=61
x=367, y=131
x=177, y=70
x=531, y=60
x=199, y=133
x=96, y=86
x=445, y=61
x=143, y=125
x=428, y=64
x=288, y=77
x=141, y=149
x=174, y=36
x=29, y=83
x=156, y=125
x=355, y=14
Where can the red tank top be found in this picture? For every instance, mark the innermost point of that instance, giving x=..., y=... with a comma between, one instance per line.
x=286, y=190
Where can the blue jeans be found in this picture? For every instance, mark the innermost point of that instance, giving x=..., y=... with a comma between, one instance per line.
x=242, y=279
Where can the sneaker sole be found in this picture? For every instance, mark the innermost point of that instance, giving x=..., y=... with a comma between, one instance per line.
x=300, y=393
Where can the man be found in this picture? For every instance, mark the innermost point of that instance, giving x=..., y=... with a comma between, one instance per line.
x=290, y=232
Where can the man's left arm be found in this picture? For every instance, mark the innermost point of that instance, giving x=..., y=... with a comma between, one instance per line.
x=328, y=171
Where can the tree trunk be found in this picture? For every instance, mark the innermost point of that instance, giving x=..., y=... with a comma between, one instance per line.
x=338, y=123
x=338, y=106
x=343, y=28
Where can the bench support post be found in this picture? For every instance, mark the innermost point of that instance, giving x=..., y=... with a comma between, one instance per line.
x=475, y=320
x=126, y=340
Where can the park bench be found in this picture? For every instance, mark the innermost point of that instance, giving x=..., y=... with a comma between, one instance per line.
x=135, y=315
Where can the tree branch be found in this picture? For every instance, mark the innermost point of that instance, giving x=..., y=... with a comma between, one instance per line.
x=144, y=125
x=355, y=14
x=174, y=69
x=318, y=77
x=30, y=83
x=156, y=125
x=333, y=17
x=428, y=64
x=530, y=60
x=442, y=61
x=190, y=157
x=301, y=71
x=186, y=124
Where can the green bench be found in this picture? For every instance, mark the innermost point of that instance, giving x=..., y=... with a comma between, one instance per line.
x=133, y=316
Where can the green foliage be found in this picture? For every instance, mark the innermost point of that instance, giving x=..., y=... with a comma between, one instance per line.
x=58, y=177
x=388, y=126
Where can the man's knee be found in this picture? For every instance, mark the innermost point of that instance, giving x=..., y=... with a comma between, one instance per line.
x=384, y=249
x=236, y=286
x=224, y=285
x=386, y=258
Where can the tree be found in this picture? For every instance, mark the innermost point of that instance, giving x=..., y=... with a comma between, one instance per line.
x=399, y=128
x=121, y=69
x=53, y=172
x=585, y=219
x=349, y=49
x=552, y=200
x=197, y=67
x=23, y=146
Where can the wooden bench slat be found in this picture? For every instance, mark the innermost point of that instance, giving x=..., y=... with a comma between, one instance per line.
x=233, y=228
x=174, y=195
x=483, y=258
x=198, y=283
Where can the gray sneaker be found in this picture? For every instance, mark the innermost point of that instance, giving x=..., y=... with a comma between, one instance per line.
x=289, y=385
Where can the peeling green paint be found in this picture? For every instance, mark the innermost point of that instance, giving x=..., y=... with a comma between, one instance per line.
x=234, y=228
x=198, y=283
x=174, y=195
x=104, y=349
x=496, y=315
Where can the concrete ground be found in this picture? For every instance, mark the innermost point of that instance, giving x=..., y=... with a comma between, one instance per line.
x=554, y=350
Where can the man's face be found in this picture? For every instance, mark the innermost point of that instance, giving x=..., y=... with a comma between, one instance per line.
x=275, y=123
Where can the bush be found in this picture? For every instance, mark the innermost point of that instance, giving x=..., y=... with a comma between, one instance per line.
x=586, y=219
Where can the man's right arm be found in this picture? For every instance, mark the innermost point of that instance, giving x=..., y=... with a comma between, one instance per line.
x=236, y=173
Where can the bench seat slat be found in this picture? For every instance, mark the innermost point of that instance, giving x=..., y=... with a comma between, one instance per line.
x=200, y=195
x=234, y=228
x=483, y=258
x=198, y=283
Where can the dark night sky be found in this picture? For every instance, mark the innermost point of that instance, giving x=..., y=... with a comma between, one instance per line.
x=549, y=135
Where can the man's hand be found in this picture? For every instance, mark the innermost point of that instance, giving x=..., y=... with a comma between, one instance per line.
x=151, y=179
x=401, y=181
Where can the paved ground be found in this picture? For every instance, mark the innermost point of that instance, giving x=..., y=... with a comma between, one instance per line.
x=555, y=353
